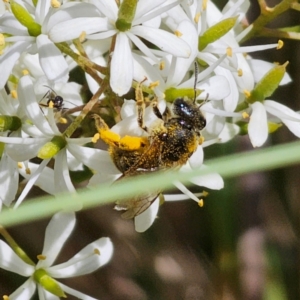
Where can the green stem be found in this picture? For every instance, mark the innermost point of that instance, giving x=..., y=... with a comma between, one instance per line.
x=17, y=249
x=268, y=32
x=228, y=166
x=87, y=108
x=267, y=14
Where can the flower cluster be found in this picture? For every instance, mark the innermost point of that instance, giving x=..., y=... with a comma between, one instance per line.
x=121, y=45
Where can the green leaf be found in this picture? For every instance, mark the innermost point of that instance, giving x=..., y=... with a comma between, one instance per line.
x=268, y=84
x=215, y=32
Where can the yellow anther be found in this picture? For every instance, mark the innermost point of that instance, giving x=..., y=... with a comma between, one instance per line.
x=204, y=4
x=247, y=93
x=95, y=138
x=28, y=171
x=162, y=65
x=132, y=142
x=178, y=33
x=25, y=72
x=55, y=3
x=63, y=121
x=205, y=193
x=6, y=1
x=245, y=115
x=82, y=36
x=41, y=257
x=280, y=44
x=153, y=85
x=197, y=17
x=50, y=104
x=201, y=203
x=240, y=72
x=5, y=297
x=201, y=140
x=96, y=251
x=14, y=94
x=2, y=40
x=229, y=51
x=20, y=165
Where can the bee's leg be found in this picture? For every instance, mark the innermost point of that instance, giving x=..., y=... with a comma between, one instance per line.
x=109, y=137
x=156, y=111
x=140, y=102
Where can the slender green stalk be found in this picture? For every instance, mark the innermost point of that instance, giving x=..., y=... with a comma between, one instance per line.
x=228, y=166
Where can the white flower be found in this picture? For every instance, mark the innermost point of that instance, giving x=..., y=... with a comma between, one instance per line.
x=88, y=260
x=19, y=41
x=144, y=26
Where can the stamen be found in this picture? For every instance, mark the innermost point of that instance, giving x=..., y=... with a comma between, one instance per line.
x=178, y=33
x=280, y=44
x=229, y=51
x=14, y=94
x=41, y=257
x=204, y=4
x=25, y=72
x=240, y=72
x=20, y=165
x=153, y=84
x=247, y=93
x=201, y=202
x=63, y=121
x=95, y=138
x=197, y=17
x=5, y=297
x=245, y=115
x=28, y=171
x=162, y=65
x=55, y=4
x=96, y=251
x=51, y=104
x=82, y=36
x=2, y=40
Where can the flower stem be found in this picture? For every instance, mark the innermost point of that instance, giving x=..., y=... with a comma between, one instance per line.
x=87, y=108
x=17, y=249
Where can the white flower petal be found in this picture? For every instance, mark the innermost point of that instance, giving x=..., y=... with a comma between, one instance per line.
x=25, y=291
x=75, y=293
x=143, y=221
x=212, y=181
x=196, y=160
x=258, y=126
x=10, y=261
x=51, y=59
x=166, y=41
x=281, y=111
x=57, y=232
x=121, y=66
x=229, y=132
x=72, y=29
x=107, y=7
x=86, y=261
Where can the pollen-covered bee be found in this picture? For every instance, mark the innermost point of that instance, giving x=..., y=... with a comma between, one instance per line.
x=169, y=144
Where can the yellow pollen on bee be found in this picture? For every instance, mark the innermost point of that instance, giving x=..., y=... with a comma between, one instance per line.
x=153, y=84
x=28, y=171
x=2, y=40
x=201, y=140
x=245, y=115
x=51, y=104
x=41, y=257
x=14, y=94
x=229, y=51
x=280, y=44
x=247, y=93
x=25, y=72
x=132, y=142
x=20, y=165
x=178, y=33
x=82, y=36
x=162, y=65
x=55, y=3
x=109, y=137
x=63, y=121
x=96, y=251
x=197, y=17
x=240, y=72
x=201, y=203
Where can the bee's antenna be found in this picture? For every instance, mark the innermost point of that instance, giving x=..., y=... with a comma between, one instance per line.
x=195, y=83
x=50, y=88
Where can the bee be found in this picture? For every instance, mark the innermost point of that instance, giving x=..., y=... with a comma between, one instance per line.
x=56, y=100
x=168, y=145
